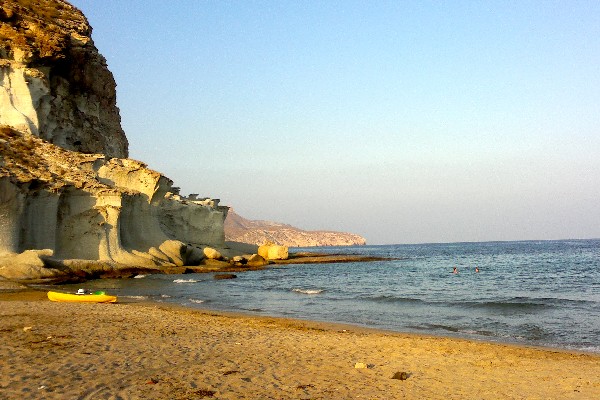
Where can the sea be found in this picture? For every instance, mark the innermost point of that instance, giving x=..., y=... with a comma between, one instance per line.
x=539, y=293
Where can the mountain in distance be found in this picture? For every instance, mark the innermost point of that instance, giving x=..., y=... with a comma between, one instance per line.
x=240, y=229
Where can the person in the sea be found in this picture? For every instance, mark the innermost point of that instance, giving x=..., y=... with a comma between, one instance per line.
x=455, y=270
x=476, y=269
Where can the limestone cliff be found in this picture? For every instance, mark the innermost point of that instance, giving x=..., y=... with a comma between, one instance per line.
x=243, y=230
x=78, y=206
x=53, y=82
x=69, y=199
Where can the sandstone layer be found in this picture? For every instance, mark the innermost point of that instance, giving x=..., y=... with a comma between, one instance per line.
x=243, y=230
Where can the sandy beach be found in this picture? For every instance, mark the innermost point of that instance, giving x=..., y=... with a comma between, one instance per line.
x=153, y=351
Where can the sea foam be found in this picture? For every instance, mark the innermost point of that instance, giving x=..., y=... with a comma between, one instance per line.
x=308, y=291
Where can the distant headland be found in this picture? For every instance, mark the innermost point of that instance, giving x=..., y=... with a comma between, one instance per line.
x=71, y=203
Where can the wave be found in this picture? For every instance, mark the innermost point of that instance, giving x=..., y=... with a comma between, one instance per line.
x=136, y=297
x=506, y=305
x=393, y=299
x=139, y=276
x=308, y=291
x=525, y=303
x=515, y=304
x=459, y=330
x=197, y=301
x=427, y=327
x=185, y=281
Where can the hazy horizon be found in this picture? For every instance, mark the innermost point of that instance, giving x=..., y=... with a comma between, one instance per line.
x=403, y=122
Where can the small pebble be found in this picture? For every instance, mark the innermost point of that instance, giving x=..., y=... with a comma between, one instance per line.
x=401, y=376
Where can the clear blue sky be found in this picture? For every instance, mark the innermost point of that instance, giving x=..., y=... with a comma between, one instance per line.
x=402, y=121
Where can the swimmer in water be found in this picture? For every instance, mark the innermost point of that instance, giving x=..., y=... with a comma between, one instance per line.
x=476, y=269
x=455, y=270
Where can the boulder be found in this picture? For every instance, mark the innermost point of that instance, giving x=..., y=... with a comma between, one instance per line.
x=225, y=276
x=263, y=250
x=28, y=265
x=193, y=255
x=256, y=261
x=175, y=251
x=212, y=254
x=270, y=251
x=239, y=260
x=277, y=252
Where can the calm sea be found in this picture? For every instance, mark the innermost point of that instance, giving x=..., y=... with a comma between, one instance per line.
x=543, y=293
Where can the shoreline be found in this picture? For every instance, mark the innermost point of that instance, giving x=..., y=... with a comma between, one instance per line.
x=36, y=294
x=161, y=350
x=74, y=271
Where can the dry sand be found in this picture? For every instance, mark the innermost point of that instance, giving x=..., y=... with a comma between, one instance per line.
x=149, y=351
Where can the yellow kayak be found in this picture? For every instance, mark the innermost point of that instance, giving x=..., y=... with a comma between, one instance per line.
x=81, y=298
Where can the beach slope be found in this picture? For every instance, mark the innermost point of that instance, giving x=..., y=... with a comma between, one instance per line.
x=145, y=351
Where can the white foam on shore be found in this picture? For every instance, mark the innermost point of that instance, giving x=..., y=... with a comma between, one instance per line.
x=185, y=281
x=165, y=296
x=197, y=301
x=136, y=297
x=308, y=291
x=139, y=276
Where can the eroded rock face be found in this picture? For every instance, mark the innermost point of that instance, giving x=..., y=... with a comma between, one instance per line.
x=89, y=207
x=71, y=203
x=54, y=83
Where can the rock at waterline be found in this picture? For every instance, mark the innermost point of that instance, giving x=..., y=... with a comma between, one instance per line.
x=225, y=276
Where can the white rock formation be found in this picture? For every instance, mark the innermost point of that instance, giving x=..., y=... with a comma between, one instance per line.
x=70, y=200
x=91, y=208
x=19, y=99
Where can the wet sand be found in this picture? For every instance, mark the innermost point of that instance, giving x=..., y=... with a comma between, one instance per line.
x=153, y=351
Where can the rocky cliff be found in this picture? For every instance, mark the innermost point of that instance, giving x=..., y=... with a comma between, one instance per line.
x=70, y=202
x=53, y=82
x=243, y=230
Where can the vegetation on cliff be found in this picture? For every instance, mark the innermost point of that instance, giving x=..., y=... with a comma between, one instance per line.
x=26, y=28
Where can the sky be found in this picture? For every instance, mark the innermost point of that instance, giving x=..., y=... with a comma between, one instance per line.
x=401, y=121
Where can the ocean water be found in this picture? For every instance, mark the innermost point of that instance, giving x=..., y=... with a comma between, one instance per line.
x=542, y=293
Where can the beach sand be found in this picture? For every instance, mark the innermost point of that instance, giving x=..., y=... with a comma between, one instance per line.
x=153, y=351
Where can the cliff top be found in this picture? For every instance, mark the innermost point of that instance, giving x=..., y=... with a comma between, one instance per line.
x=37, y=30
x=53, y=81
